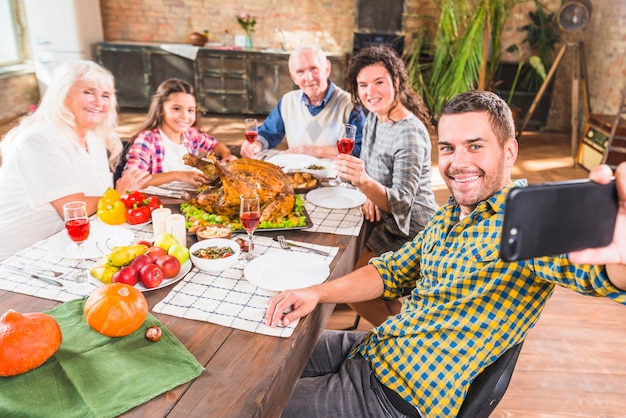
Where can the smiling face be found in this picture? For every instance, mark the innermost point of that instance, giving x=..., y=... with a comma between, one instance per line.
x=310, y=75
x=375, y=89
x=89, y=102
x=179, y=114
x=472, y=161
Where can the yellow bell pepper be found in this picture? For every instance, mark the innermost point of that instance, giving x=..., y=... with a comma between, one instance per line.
x=111, y=210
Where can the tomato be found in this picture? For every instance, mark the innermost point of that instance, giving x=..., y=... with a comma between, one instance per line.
x=151, y=276
x=169, y=264
x=153, y=203
x=133, y=199
x=138, y=215
x=126, y=275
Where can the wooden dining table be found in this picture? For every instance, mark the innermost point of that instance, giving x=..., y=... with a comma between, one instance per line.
x=246, y=374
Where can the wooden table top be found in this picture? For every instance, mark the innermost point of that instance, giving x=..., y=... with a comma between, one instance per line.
x=246, y=374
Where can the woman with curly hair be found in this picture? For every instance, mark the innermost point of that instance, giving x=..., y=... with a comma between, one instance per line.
x=394, y=169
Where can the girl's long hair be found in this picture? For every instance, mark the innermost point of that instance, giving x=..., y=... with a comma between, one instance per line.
x=154, y=118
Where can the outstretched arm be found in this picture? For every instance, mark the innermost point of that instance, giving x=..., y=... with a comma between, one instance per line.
x=613, y=255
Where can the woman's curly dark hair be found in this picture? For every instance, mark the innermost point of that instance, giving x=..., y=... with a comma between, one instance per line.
x=380, y=54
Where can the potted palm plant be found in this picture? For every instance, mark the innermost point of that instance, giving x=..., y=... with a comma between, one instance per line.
x=464, y=53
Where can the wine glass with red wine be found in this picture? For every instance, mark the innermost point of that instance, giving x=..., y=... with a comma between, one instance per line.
x=250, y=216
x=345, y=145
x=77, y=226
x=251, y=131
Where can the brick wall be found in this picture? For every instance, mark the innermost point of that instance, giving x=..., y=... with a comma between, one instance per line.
x=17, y=93
x=331, y=24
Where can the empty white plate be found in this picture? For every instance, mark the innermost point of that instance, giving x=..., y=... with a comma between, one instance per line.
x=286, y=270
x=336, y=197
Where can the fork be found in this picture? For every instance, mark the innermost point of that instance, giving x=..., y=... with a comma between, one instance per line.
x=283, y=244
x=287, y=246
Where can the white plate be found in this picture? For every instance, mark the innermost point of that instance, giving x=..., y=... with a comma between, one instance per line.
x=184, y=269
x=291, y=162
x=102, y=238
x=336, y=197
x=286, y=270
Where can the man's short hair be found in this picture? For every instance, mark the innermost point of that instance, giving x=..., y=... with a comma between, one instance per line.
x=499, y=112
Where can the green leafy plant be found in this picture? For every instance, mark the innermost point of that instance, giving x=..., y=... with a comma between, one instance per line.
x=465, y=53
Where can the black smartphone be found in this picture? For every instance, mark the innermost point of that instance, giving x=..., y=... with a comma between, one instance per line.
x=556, y=218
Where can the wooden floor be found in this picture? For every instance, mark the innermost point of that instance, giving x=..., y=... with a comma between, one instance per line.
x=573, y=363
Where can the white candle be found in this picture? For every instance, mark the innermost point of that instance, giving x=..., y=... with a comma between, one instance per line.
x=175, y=225
x=158, y=220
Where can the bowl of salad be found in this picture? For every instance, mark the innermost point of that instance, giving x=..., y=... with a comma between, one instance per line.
x=214, y=255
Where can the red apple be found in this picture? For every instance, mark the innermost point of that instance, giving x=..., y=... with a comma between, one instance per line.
x=141, y=260
x=151, y=276
x=155, y=252
x=144, y=242
x=169, y=264
x=126, y=275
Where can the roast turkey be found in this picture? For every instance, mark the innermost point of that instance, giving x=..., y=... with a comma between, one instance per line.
x=243, y=176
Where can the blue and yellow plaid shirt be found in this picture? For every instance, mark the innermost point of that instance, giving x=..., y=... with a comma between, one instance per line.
x=467, y=306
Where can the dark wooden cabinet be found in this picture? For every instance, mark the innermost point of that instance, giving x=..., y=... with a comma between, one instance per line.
x=222, y=81
x=129, y=67
x=269, y=80
x=226, y=81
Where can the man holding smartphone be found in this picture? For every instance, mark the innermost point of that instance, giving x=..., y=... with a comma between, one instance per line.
x=467, y=306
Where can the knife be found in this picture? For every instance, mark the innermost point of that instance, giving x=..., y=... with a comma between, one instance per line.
x=27, y=273
x=313, y=250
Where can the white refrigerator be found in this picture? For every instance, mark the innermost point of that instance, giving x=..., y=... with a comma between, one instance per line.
x=61, y=30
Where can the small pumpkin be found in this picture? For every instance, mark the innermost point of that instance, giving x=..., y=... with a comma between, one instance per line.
x=115, y=309
x=27, y=341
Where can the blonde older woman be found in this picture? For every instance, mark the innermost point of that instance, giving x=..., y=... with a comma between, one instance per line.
x=65, y=151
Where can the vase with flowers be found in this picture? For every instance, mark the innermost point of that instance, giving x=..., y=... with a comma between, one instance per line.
x=247, y=22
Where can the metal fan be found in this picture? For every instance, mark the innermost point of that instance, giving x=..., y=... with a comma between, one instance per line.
x=573, y=18
x=574, y=15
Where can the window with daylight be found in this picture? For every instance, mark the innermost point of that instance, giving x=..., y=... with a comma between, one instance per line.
x=10, y=25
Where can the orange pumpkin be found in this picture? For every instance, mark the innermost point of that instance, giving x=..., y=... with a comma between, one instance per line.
x=27, y=341
x=116, y=309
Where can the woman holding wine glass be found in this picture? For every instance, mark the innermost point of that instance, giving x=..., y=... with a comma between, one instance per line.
x=394, y=169
x=65, y=151
x=345, y=145
x=250, y=216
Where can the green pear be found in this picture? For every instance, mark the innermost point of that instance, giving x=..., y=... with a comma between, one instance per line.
x=165, y=240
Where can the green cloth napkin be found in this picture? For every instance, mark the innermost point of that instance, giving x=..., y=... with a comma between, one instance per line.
x=96, y=376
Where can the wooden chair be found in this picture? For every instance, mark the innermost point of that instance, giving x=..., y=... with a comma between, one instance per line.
x=489, y=387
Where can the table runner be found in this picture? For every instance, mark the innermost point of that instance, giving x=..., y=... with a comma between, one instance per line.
x=96, y=376
x=227, y=298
